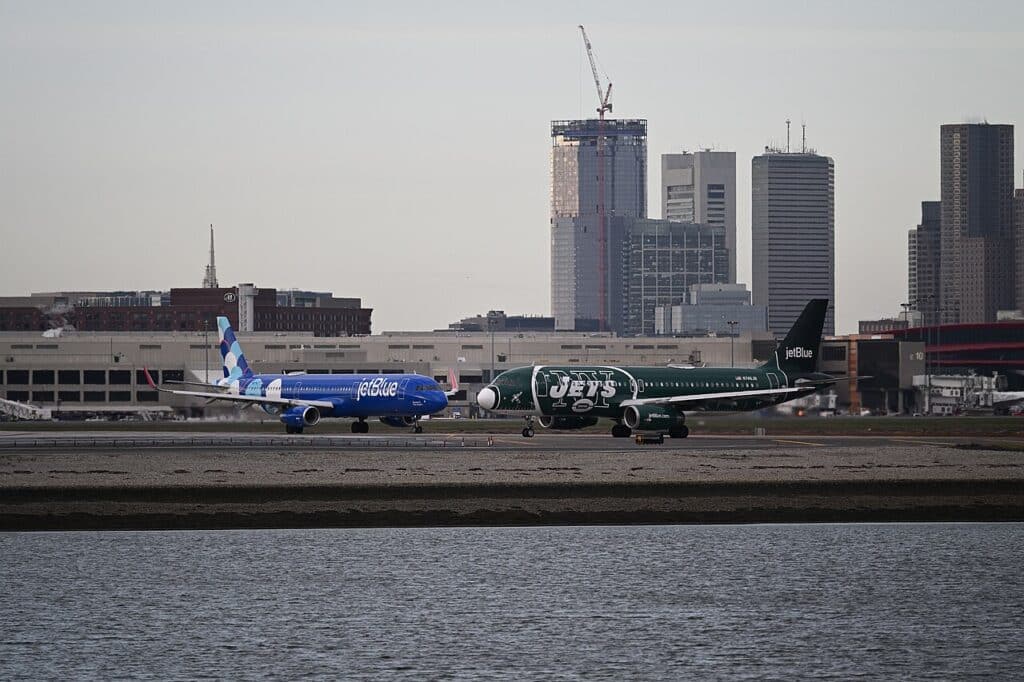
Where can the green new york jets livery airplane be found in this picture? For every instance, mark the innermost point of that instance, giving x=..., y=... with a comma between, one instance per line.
x=655, y=399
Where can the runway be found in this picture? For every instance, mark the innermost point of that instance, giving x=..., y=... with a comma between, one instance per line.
x=564, y=442
x=67, y=480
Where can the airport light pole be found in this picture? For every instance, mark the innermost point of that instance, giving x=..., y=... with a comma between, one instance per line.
x=732, y=342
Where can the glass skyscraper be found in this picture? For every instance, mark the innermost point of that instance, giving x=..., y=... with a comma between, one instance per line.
x=658, y=262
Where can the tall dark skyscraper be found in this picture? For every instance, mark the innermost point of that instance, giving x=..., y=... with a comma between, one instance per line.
x=977, y=245
x=923, y=263
x=1018, y=218
x=793, y=235
x=576, y=249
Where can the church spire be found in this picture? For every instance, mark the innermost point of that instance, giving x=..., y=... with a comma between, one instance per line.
x=210, y=280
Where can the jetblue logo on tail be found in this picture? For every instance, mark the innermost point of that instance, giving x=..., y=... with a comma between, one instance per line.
x=235, y=366
x=798, y=353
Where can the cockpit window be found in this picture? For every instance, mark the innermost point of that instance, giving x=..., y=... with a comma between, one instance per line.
x=505, y=380
x=431, y=386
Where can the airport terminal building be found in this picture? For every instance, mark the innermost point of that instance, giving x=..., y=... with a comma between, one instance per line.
x=102, y=372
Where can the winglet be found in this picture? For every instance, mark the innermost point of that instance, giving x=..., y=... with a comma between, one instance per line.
x=149, y=379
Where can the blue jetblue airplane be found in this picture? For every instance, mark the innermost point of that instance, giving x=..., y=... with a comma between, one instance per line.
x=300, y=400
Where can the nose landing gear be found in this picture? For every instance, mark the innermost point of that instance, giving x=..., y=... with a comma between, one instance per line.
x=528, y=429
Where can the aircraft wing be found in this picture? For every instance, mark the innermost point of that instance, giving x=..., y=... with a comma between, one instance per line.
x=214, y=387
x=698, y=398
x=830, y=380
x=1007, y=398
x=239, y=398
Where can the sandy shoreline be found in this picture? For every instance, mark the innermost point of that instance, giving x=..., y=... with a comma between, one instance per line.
x=166, y=488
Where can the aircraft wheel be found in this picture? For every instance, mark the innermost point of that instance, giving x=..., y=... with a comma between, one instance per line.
x=355, y=427
x=679, y=431
x=527, y=432
x=288, y=429
x=417, y=429
x=621, y=431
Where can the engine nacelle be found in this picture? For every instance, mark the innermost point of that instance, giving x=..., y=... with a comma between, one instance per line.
x=398, y=422
x=651, y=418
x=301, y=416
x=567, y=423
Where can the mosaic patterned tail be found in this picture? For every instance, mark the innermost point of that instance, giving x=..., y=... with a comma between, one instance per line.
x=235, y=366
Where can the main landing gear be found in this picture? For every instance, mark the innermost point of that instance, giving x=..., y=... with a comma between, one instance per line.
x=621, y=431
x=290, y=430
x=681, y=431
x=360, y=426
x=417, y=428
x=528, y=429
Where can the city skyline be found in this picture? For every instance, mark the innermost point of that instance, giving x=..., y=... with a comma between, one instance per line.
x=304, y=132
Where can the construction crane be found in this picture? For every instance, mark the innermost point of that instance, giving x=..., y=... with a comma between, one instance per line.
x=604, y=98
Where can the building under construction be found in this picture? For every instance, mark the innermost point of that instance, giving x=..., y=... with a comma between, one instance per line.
x=598, y=171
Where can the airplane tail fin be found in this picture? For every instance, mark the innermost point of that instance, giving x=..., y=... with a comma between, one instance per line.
x=798, y=352
x=453, y=382
x=235, y=366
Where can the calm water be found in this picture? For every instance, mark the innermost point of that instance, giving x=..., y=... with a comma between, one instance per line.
x=918, y=601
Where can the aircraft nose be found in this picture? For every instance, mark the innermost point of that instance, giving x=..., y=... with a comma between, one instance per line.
x=487, y=398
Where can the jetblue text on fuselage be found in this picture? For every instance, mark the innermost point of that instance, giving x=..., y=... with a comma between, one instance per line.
x=377, y=388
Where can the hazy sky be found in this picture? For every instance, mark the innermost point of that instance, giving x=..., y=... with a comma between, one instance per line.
x=399, y=152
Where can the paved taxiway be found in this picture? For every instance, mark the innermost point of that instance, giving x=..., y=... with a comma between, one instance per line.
x=172, y=480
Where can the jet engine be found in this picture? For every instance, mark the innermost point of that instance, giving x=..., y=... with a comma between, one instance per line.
x=300, y=416
x=652, y=418
x=567, y=423
x=399, y=422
